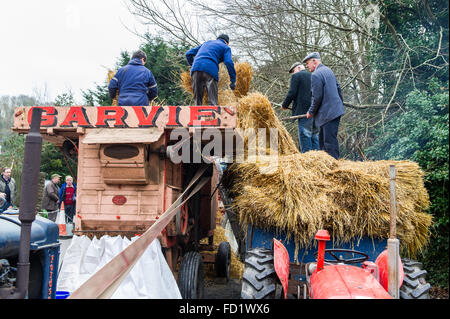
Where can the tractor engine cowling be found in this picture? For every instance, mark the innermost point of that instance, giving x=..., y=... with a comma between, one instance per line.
x=345, y=282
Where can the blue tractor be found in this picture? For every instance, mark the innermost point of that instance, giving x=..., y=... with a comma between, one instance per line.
x=44, y=254
x=29, y=244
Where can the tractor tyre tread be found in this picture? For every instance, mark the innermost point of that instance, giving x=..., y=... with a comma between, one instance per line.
x=259, y=279
x=414, y=285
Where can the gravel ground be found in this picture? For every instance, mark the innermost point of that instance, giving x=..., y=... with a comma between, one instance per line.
x=218, y=288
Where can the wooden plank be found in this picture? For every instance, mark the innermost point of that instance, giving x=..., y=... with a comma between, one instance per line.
x=122, y=135
x=92, y=171
x=393, y=243
x=393, y=198
x=393, y=268
x=148, y=190
x=111, y=209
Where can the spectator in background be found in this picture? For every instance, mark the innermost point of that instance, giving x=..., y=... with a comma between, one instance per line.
x=67, y=195
x=50, y=198
x=7, y=189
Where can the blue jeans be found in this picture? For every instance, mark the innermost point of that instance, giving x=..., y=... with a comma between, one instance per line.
x=308, y=135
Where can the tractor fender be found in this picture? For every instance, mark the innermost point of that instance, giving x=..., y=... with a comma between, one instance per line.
x=281, y=264
x=382, y=263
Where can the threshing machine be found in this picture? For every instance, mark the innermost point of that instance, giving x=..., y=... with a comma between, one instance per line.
x=130, y=171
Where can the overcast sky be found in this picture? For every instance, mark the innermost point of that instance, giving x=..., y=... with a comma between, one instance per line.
x=61, y=44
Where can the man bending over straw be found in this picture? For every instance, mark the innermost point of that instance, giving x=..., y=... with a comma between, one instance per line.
x=205, y=60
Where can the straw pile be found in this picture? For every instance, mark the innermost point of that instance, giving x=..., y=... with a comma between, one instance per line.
x=255, y=111
x=301, y=193
x=226, y=96
x=111, y=74
x=236, y=266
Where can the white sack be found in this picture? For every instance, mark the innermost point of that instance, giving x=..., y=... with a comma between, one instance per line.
x=150, y=278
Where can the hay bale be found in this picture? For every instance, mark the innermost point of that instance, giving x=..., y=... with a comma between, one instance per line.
x=111, y=74
x=302, y=193
x=299, y=194
x=362, y=190
x=226, y=96
x=244, y=75
x=254, y=111
x=186, y=82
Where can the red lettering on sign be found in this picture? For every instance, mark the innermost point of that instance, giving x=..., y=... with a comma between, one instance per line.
x=147, y=120
x=174, y=114
x=76, y=114
x=106, y=113
x=48, y=118
x=198, y=112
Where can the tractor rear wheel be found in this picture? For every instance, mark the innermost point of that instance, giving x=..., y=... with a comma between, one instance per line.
x=259, y=279
x=414, y=285
x=191, y=275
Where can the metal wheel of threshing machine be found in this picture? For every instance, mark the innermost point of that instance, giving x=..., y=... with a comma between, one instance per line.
x=223, y=260
x=191, y=276
x=414, y=284
x=259, y=280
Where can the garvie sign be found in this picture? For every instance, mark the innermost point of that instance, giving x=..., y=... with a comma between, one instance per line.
x=128, y=116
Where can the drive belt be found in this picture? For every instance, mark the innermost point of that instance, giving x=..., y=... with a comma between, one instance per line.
x=104, y=282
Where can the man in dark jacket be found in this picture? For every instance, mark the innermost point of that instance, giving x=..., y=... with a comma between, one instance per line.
x=136, y=84
x=300, y=93
x=326, y=103
x=205, y=60
x=50, y=198
x=7, y=189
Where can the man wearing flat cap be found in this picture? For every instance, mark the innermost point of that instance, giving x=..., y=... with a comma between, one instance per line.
x=204, y=61
x=50, y=198
x=300, y=94
x=326, y=103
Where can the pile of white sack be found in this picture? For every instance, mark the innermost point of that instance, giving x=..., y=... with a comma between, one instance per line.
x=150, y=278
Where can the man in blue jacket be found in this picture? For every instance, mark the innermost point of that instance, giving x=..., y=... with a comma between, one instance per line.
x=326, y=103
x=204, y=61
x=136, y=84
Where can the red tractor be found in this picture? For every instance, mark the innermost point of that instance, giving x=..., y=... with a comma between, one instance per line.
x=338, y=278
x=272, y=271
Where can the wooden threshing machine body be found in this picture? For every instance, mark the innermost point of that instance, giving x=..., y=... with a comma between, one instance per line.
x=125, y=180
